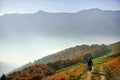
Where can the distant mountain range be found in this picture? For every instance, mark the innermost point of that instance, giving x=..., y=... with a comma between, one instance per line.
x=84, y=23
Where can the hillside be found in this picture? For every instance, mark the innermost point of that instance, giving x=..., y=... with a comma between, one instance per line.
x=75, y=55
x=77, y=51
x=106, y=66
x=115, y=47
x=34, y=72
x=95, y=50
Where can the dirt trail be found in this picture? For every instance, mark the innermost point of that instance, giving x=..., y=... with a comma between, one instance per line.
x=100, y=71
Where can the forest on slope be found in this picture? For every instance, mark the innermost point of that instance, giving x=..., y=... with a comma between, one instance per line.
x=95, y=51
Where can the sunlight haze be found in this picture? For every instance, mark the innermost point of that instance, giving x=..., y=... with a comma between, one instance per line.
x=20, y=45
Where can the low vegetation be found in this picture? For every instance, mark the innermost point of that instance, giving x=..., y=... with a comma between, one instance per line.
x=114, y=63
x=34, y=72
x=71, y=74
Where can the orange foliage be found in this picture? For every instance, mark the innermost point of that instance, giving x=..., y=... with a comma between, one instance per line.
x=64, y=63
x=115, y=64
x=68, y=74
x=34, y=72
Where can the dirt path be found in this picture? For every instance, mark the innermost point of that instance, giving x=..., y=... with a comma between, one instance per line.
x=100, y=71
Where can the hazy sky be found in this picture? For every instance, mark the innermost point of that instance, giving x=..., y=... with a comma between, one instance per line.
x=20, y=51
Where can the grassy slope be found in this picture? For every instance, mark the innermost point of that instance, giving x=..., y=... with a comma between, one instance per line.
x=109, y=65
x=73, y=73
x=66, y=68
x=77, y=73
x=95, y=60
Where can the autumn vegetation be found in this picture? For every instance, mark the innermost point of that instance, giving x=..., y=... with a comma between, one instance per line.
x=93, y=51
x=70, y=74
x=114, y=63
x=75, y=52
x=34, y=72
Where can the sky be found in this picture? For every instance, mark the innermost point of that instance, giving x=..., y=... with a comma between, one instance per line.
x=32, y=6
x=21, y=51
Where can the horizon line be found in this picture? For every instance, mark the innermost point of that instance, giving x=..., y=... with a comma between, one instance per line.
x=57, y=12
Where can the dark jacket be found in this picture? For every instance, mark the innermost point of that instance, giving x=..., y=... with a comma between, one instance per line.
x=90, y=63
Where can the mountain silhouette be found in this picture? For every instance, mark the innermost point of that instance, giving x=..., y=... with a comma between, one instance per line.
x=95, y=22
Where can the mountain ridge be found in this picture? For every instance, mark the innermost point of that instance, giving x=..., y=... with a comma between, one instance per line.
x=85, y=23
x=42, y=11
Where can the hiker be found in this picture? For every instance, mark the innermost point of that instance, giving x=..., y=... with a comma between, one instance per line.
x=90, y=63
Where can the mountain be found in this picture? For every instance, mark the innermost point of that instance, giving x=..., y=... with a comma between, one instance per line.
x=95, y=22
x=115, y=46
x=6, y=67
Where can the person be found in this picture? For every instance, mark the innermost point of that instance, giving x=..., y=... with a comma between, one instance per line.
x=90, y=63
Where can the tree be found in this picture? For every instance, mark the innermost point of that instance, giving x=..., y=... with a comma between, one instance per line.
x=3, y=77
